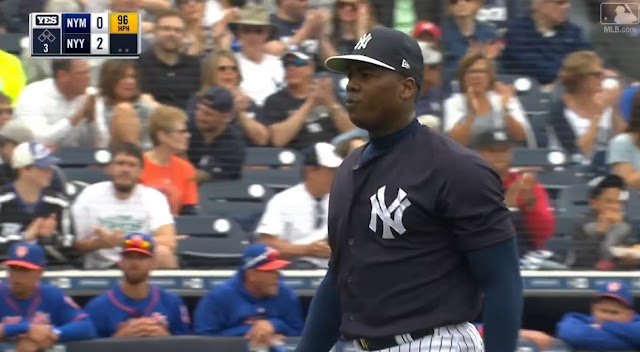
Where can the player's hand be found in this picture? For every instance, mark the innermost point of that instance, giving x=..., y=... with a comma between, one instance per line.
x=48, y=226
x=315, y=95
x=261, y=333
x=474, y=103
x=27, y=345
x=326, y=96
x=542, y=340
x=107, y=238
x=319, y=249
x=151, y=328
x=603, y=223
x=527, y=189
x=33, y=229
x=513, y=193
x=131, y=328
x=41, y=335
x=492, y=49
x=241, y=101
x=613, y=217
x=506, y=92
x=89, y=107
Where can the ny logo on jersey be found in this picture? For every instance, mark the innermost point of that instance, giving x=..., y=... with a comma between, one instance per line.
x=362, y=43
x=379, y=209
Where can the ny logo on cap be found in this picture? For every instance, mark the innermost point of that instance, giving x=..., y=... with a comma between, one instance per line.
x=362, y=43
x=22, y=251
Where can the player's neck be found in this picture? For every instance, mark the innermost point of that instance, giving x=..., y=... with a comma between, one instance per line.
x=137, y=291
x=253, y=291
x=159, y=155
x=169, y=58
x=27, y=191
x=23, y=295
x=385, y=131
x=466, y=24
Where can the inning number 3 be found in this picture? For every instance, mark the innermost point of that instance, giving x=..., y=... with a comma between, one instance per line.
x=46, y=48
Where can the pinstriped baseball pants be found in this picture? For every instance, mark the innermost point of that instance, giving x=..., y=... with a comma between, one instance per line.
x=451, y=338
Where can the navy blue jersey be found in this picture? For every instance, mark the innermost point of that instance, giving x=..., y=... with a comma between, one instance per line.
x=400, y=225
x=112, y=308
x=48, y=306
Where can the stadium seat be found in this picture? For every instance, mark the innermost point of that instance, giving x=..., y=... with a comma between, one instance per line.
x=211, y=251
x=10, y=42
x=545, y=158
x=86, y=174
x=558, y=179
x=233, y=198
x=80, y=157
x=565, y=225
x=573, y=200
x=277, y=179
x=203, y=225
x=272, y=157
x=73, y=189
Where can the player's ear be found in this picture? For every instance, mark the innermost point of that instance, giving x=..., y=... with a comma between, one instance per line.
x=407, y=88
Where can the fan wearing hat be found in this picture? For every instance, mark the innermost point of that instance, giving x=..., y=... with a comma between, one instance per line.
x=30, y=211
x=427, y=32
x=262, y=73
x=523, y=195
x=254, y=303
x=430, y=98
x=135, y=307
x=12, y=133
x=613, y=324
x=295, y=220
x=603, y=228
x=406, y=183
x=36, y=315
x=306, y=110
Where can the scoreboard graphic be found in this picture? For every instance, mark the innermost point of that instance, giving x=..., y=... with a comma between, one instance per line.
x=62, y=35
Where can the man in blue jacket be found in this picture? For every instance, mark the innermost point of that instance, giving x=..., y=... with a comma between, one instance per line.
x=254, y=303
x=612, y=326
x=35, y=315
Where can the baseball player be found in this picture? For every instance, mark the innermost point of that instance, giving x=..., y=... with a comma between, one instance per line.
x=136, y=308
x=420, y=236
x=36, y=315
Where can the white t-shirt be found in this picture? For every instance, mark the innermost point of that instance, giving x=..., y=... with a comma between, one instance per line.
x=145, y=211
x=46, y=111
x=261, y=80
x=291, y=216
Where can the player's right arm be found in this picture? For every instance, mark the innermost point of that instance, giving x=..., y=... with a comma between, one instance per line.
x=210, y=319
x=9, y=331
x=85, y=242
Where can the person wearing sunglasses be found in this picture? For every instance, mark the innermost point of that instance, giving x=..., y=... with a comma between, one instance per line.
x=164, y=169
x=462, y=31
x=263, y=74
x=307, y=110
x=351, y=20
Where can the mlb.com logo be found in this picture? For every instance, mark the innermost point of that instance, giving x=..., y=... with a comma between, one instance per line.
x=620, y=13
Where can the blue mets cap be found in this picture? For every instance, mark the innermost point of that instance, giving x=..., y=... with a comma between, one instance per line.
x=218, y=99
x=32, y=153
x=139, y=242
x=26, y=255
x=262, y=257
x=617, y=290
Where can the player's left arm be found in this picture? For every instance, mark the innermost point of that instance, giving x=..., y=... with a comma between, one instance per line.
x=629, y=332
x=72, y=323
x=291, y=323
x=482, y=227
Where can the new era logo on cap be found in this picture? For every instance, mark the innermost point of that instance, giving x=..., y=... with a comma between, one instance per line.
x=387, y=48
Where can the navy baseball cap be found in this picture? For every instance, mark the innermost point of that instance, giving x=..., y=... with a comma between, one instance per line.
x=262, y=257
x=139, y=243
x=32, y=153
x=26, y=255
x=218, y=99
x=321, y=154
x=617, y=290
x=387, y=48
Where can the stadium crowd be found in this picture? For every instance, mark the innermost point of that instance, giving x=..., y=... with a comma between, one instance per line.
x=220, y=80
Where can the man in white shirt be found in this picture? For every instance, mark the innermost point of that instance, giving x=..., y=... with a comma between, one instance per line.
x=295, y=220
x=104, y=212
x=58, y=110
x=262, y=74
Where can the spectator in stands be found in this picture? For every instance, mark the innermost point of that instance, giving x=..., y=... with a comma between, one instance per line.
x=623, y=154
x=295, y=220
x=462, y=33
x=122, y=110
x=351, y=19
x=537, y=43
x=216, y=147
x=35, y=315
x=5, y=109
x=30, y=211
x=165, y=72
x=262, y=74
x=103, y=212
x=135, y=307
x=296, y=25
x=603, y=228
x=427, y=32
x=199, y=38
x=402, y=14
x=615, y=50
x=221, y=69
x=612, y=326
x=523, y=193
x=349, y=141
x=58, y=110
x=307, y=110
x=430, y=98
x=255, y=303
x=484, y=104
x=12, y=77
x=587, y=116
x=164, y=169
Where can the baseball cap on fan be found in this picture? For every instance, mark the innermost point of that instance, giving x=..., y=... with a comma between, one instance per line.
x=32, y=153
x=321, y=154
x=617, y=290
x=387, y=48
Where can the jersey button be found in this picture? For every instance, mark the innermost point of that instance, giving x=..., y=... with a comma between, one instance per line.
x=349, y=279
x=351, y=242
x=351, y=317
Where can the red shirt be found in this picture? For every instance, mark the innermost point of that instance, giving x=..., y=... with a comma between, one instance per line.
x=538, y=220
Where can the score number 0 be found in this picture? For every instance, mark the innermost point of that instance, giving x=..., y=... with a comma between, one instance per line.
x=99, y=24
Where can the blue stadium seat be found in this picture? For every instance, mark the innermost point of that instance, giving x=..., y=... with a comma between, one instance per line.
x=80, y=157
x=574, y=200
x=276, y=178
x=233, y=198
x=85, y=174
x=211, y=251
x=272, y=157
x=74, y=188
x=558, y=179
x=545, y=158
x=206, y=225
